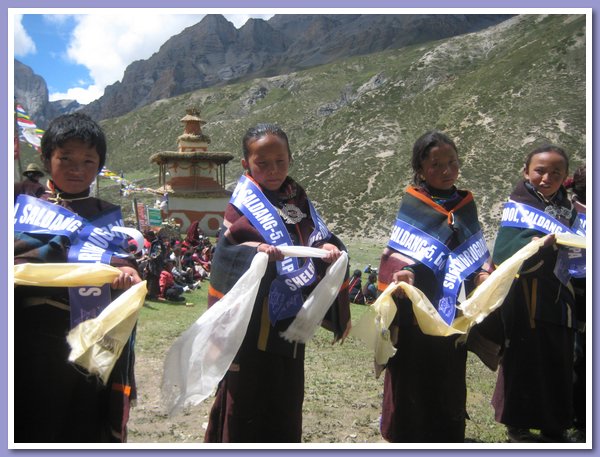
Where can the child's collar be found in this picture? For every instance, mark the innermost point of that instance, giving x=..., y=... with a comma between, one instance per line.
x=58, y=196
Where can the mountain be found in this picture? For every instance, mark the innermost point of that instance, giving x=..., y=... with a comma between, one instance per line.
x=31, y=91
x=497, y=92
x=213, y=52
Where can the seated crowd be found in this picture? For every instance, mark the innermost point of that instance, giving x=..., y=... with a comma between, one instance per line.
x=172, y=266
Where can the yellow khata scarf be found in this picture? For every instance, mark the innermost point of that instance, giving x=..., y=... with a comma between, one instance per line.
x=97, y=343
x=373, y=327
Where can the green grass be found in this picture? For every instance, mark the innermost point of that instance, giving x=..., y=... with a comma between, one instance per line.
x=342, y=396
x=161, y=322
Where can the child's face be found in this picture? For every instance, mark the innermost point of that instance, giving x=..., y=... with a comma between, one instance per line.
x=268, y=161
x=74, y=166
x=546, y=172
x=440, y=168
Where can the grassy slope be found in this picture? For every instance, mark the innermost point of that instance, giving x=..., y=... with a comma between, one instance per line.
x=497, y=93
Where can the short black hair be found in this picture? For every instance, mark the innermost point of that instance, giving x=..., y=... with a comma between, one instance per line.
x=76, y=126
x=260, y=130
x=423, y=146
x=546, y=148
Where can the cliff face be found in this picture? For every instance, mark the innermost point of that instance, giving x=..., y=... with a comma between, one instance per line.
x=31, y=92
x=214, y=52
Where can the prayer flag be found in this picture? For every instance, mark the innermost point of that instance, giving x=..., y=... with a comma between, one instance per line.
x=28, y=130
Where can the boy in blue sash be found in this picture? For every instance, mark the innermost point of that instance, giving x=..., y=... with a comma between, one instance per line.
x=535, y=379
x=424, y=396
x=260, y=398
x=55, y=401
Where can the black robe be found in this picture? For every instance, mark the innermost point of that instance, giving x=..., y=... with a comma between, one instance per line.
x=534, y=385
x=260, y=398
x=424, y=397
x=55, y=401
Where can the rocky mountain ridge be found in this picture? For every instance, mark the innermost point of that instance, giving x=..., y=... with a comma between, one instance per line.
x=214, y=53
x=31, y=92
x=498, y=93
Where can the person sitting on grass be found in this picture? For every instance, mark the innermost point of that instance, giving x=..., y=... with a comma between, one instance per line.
x=355, y=287
x=370, y=292
x=168, y=289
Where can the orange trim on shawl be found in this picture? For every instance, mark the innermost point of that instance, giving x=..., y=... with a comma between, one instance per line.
x=439, y=208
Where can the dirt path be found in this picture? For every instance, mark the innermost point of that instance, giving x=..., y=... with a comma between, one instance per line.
x=338, y=407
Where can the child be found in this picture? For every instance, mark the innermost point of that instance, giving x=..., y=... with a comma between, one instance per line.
x=56, y=401
x=169, y=290
x=260, y=398
x=370, y=291
x=424, y=396
x=534, y=385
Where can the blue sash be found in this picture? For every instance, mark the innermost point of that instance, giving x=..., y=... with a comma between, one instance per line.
x=576, y=256
x=571, y=261
x=285, y=295
x=91, y=241
x=580, y=224
x=35, y=216
x=524, y=216
x=450, y=268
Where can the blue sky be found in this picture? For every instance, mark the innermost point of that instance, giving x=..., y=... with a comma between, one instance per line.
x=78, y=55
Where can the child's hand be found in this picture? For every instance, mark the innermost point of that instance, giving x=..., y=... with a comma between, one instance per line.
x=406, y=276
x=273, y=252
x=128, y=277
x=482, y=276
x=333, y=253
x=549, y=240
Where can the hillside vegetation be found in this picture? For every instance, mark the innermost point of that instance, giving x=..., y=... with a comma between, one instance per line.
x=351, y=124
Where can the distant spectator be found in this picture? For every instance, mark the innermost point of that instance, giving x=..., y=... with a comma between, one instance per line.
x=184, y=276
x=355, y=288
x=168, y=289
x=370, y=290
x=193, y=236
x=31, y=184
x=156, y=258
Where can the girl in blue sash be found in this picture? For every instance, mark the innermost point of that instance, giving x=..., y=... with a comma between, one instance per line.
x=55, y=401
x=260, y=398
x=535, y=379
x=424, y=397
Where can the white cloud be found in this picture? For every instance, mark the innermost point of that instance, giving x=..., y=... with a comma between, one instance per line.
x=24, y=45
x=82, y=95
x=107, y=43
x=240, y=19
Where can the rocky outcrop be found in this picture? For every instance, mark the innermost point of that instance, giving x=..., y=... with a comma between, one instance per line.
x=214, y=52
x=31, y=92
